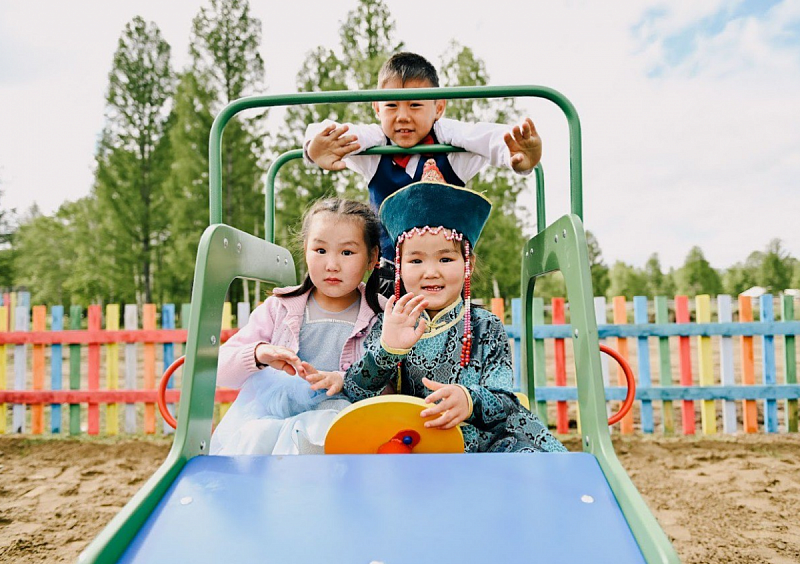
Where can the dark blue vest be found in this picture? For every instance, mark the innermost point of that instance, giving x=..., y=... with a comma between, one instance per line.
x=390, y=177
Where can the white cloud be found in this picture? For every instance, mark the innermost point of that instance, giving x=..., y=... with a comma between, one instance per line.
x=703, y=152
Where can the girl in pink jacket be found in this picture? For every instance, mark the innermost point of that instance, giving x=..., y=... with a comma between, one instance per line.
x=300, y=335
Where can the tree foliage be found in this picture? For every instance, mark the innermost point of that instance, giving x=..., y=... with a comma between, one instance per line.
x=225, y=65
x=69, y=268
x=135, y=237
x=7, y=227
x=186, y=187
x=133, y=156
x=600, y=279
x=696, y=276
x=366, y=41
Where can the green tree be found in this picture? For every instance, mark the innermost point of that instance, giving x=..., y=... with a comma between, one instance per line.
x=777, y=267
x=68, y=269
x=696, y=276
x=658, y=283
x=795, y=283
x=133, y=154
x=186, y=187
x=742, y=276
x=625, y=280
x=224, y=55
x=550, y=285
x=600, y=280
x=7, y=227
x=366, y=41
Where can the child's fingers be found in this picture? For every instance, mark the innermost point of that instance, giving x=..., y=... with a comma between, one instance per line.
x=419, y=307
x=389, y=305
x=345, y=150
x=412, y=304
x=346, y=140
x=419, y=331
x=446, y=404
x=400, y=306
x=327, y=130
x=322, y=384
x=335, y=386
x=338, y=131
x=441, y=422
x=432, y=384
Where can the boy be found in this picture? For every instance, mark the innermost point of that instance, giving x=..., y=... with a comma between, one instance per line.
x=413, y=122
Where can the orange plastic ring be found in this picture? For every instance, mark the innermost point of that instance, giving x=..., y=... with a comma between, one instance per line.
x=162, y=392
x=629, y=397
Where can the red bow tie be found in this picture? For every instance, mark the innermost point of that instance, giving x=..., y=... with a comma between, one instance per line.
x=402, y=160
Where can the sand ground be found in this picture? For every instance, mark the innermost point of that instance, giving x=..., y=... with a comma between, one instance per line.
x=720, y=500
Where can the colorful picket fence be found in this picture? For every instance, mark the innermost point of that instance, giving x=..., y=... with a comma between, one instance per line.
x=695, y=363
x=686, y=370
x=23, y=328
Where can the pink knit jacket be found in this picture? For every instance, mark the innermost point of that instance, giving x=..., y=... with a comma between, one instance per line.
x=277, y=321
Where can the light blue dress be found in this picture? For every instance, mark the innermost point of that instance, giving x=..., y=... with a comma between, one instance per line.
x=276, y=413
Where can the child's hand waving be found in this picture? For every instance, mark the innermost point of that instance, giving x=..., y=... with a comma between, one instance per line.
x=400, y=327
x=279, y=358
x=331, y=381
x=525, y=146
x=454, y=405
x=331, y=145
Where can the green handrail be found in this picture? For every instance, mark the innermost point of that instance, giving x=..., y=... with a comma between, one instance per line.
x=215, y=142
x=283, y=158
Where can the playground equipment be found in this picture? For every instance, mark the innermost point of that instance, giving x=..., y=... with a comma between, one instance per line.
x=580, y=507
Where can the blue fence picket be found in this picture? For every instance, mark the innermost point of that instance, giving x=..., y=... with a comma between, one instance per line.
x=56, y=367
x=768, y=364
x=643, y=357
x=168, y=322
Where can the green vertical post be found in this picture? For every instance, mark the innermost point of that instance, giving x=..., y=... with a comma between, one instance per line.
x=541, y=220
x=539, y=364
x=790, y=357
x=664, y=365
x=75, y=315
x=186, y=309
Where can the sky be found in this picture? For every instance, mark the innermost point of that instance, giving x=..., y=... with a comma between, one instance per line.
x=690, y=111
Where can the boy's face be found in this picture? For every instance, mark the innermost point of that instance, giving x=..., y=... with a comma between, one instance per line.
x=408, y=122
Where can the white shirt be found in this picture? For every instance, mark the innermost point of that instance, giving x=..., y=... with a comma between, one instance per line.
x=483, y=142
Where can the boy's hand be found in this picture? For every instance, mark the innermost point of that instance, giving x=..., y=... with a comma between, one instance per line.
x=454, y=405
x=400, y=327
x=331, y=381
x=525, y=146
x=279, y=358
x=331, y=145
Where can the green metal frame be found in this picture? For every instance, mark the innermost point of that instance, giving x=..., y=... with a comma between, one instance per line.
x=562, y=246
x=226, y=253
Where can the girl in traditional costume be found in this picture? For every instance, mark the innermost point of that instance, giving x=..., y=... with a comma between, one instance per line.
x=431, y=342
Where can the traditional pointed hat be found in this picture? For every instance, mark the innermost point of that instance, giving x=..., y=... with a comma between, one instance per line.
x=432, y=202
